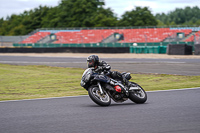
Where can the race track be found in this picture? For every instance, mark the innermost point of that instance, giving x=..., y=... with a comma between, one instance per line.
x=161, y=66
x=164, y=112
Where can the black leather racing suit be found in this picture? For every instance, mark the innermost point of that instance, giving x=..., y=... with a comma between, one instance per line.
x=103, y=66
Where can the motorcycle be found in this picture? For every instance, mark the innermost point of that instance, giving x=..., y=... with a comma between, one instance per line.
x=102, y=88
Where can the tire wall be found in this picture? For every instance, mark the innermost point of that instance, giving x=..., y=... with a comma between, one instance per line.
x=197, y=49
x=179, y=49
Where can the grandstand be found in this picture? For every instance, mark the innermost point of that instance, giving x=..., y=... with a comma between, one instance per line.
x=140, y=35
x=194, y=37
x=35, y=37
x=136, y=39
x=133, y=39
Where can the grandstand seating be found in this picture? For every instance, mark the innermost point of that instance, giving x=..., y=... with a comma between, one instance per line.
x=98, y=35
x=83, y=36
x=35, y=37
x=130, y=35
x=191, y=38
x=150, y=35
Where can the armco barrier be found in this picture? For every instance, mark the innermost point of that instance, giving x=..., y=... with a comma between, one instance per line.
x=148, y=49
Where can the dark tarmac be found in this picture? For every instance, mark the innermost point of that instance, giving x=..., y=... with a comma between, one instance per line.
x=160, y=66
x=164, y=112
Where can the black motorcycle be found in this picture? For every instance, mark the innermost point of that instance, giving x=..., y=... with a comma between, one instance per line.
x=101, y=88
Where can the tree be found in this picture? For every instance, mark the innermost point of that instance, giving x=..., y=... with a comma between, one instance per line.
x=104, y=18
x=51, y=19
x=138, y=17
x=186, y=16
x=78, y=13
x=91, y=13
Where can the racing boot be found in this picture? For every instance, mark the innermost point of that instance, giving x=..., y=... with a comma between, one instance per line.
x=127, y=84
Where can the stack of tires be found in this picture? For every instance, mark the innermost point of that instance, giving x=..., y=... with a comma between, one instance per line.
x=179, y=49
x=197, y=49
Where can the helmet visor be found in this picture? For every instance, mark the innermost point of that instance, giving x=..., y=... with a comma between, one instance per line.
x=90, y=63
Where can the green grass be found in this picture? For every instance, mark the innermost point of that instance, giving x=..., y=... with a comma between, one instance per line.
x=29, y=82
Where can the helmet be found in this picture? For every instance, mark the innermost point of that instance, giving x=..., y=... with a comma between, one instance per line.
x=92, y=60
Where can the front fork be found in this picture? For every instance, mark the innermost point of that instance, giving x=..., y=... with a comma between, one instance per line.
x=98, y=83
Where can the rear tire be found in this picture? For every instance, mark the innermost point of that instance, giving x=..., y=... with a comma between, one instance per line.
x=97, y=97
x=138, y=96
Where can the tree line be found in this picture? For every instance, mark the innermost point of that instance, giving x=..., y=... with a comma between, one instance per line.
x=186, y=16
x=91, y=13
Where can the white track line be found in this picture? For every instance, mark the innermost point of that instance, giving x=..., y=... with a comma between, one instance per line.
x=87, y=95
x=175, y=90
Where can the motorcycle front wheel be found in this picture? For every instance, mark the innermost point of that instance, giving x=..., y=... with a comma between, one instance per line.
x=138, y=96
x=97, y=97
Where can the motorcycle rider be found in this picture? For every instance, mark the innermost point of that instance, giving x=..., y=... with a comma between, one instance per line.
x=93, y=61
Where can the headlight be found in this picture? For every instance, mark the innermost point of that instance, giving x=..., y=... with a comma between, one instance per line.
x=86, y=75
x=82, y=83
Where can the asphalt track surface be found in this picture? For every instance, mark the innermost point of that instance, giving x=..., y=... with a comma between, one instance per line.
x=165, y=112
x=161, y=66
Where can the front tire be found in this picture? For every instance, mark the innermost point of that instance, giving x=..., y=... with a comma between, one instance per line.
x=138, y=96
x=97, y=97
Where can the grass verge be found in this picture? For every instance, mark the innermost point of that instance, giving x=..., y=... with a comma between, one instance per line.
x=29, y=82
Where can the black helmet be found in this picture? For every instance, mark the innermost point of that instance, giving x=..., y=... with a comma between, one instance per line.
x=92, y=60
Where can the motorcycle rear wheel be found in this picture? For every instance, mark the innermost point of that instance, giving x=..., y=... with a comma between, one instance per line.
x=97, y=97
x=138, y=96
